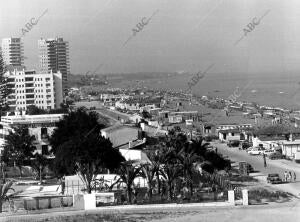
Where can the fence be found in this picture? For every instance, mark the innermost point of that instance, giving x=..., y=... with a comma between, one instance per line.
x=37, y=203
x=222, y=181
x=74, y=187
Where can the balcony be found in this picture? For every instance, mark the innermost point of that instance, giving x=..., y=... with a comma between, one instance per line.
x=29, y=85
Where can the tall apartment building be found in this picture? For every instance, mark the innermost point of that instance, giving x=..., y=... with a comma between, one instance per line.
x=43, y=90
x=12, y=51
x=54, y=56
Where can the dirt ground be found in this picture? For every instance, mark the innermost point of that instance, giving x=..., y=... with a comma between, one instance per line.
x=273, y=213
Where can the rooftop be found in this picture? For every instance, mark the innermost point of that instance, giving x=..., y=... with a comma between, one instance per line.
x=25, y=119
x=117, y=127
x=296, y=142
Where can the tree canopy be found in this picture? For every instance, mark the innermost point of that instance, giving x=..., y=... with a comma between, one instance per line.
x=79, y=148
x=4, y=89
x=18, y=146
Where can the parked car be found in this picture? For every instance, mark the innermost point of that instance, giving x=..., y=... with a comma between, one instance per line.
x=246, y=145
x=250, y=168
x=256, y=151
x=275, y=155
x=233, y=143
x=273, y=178
x=244, y=165
x=268, y=152
x=250, y=148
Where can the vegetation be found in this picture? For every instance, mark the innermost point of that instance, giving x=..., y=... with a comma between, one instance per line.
x=39, y=163
x=127, y=172
x=4, y=188
x=177, y=161
x=259, y=194
x=4, y=88
x=149, y=171
x=18, y=147
x=146, y=114
x=34, y=110
x=78, y=148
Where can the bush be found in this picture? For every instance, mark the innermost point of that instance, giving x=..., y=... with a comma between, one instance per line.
x=239, y=178
x=266, y=194
x=210, y=138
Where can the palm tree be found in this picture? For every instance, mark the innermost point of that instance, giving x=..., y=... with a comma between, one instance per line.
x=187, y=160
x=4, y=188
x=127, y=172
x=39, y=162
x=149, y=171
x=171, y=172
x=18, y=147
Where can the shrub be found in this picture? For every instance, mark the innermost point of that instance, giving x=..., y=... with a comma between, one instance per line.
x=264, y=193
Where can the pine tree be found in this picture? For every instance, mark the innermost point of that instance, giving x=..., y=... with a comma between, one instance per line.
x=4, y=89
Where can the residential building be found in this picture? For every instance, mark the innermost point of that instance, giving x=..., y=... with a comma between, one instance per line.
x=54, y=56
x=175, y=118
x=135, y=118
x=12, y=51
x=187, y=115
x=135, y=155
x=152, y=131
x=228, y=132
x=31, y=88
x=231, y=134
x=113, y=97
x=233, y=126
x=39, y=126
x=290, y=148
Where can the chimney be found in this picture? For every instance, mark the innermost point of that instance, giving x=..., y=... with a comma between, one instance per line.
x=129, y=144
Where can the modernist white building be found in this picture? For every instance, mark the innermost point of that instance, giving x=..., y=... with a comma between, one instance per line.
x=12, y=51
x=39, y=126
x=31, y=88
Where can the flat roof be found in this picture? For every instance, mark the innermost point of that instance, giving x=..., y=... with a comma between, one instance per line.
x=296, y=142
x=32, y=118
x=117, y=127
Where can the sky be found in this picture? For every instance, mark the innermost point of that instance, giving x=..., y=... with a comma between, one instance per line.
x=181, y=36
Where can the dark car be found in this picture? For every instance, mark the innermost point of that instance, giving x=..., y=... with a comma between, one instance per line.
x=246, y=145
x=274, y=156
x=233, y=143
x=250, y=168
x=245, y=166
x=273, y=178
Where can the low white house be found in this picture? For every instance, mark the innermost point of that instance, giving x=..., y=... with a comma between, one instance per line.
x=175, y=119
x=230, y=134
x=137, y=155
x=290, y=148
x=135, y=118
x=39, y=126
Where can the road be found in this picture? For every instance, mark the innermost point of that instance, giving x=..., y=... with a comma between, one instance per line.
x=273, y=166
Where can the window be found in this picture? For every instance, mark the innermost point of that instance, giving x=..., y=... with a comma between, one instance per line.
x=44, y=131
x=45, y=150
x=232, y=134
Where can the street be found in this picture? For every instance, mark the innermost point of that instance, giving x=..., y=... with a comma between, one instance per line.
x=273, y=166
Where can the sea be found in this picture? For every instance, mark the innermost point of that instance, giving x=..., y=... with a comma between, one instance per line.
x=274, y=90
